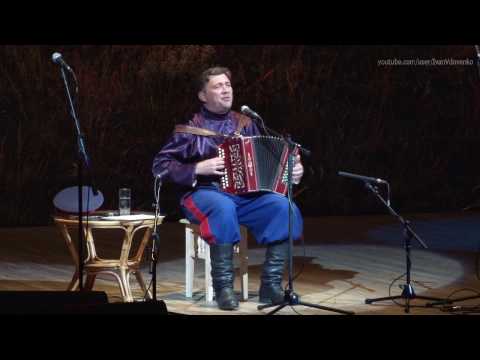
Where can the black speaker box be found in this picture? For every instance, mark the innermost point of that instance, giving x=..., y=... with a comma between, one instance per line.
x=71, y=302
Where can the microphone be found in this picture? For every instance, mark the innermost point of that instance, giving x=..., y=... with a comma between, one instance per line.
x=57, y=59
x=161, y=174
x=249, y=112
x=157, y=186
x=363, y=178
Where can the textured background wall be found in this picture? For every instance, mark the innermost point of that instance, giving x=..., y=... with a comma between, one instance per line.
x=416, y=126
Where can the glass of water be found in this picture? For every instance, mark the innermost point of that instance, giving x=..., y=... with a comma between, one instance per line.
x=124, y=201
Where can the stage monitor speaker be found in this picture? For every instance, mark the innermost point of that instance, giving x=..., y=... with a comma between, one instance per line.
x=50, y=302
x=135, y=308
x=72, y=302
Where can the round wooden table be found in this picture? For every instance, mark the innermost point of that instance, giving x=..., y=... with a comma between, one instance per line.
x=120, y=268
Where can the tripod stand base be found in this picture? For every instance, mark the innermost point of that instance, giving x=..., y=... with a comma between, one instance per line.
x=408, y=294
x=292, y=299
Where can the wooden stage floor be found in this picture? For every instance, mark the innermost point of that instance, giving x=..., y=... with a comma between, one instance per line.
x=345, y=260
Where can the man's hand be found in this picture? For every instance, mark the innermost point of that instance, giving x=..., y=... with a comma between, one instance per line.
x=297, y=171
x=214, y=166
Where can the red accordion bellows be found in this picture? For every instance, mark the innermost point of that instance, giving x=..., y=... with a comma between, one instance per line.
x=256, y=163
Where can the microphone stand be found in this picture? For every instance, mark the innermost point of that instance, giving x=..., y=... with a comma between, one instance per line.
x=82, y=158
x=290, y=297
x=447, y=301
x=408, y=293
x=155, y=243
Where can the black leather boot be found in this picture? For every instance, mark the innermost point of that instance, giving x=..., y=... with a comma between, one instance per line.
x=223, y=274
x=271, y=291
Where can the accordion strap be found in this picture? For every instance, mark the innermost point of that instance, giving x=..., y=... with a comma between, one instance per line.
x=195, y=130
x=242, y=122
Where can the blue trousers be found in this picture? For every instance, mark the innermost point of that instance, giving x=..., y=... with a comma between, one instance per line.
x=219, y=214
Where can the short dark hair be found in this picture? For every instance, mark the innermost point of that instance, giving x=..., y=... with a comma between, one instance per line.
x=204, y=77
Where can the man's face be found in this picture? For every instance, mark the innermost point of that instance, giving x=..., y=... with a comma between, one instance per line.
x=217, y=94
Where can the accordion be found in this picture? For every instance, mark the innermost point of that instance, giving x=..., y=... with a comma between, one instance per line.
x=256, y=163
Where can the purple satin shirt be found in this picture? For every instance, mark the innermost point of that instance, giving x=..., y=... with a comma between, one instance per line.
x=182, y=151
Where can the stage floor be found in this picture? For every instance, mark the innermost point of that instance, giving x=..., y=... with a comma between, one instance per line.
x=345, y=260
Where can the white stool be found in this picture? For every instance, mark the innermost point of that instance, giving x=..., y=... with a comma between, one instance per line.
x=197, y=248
